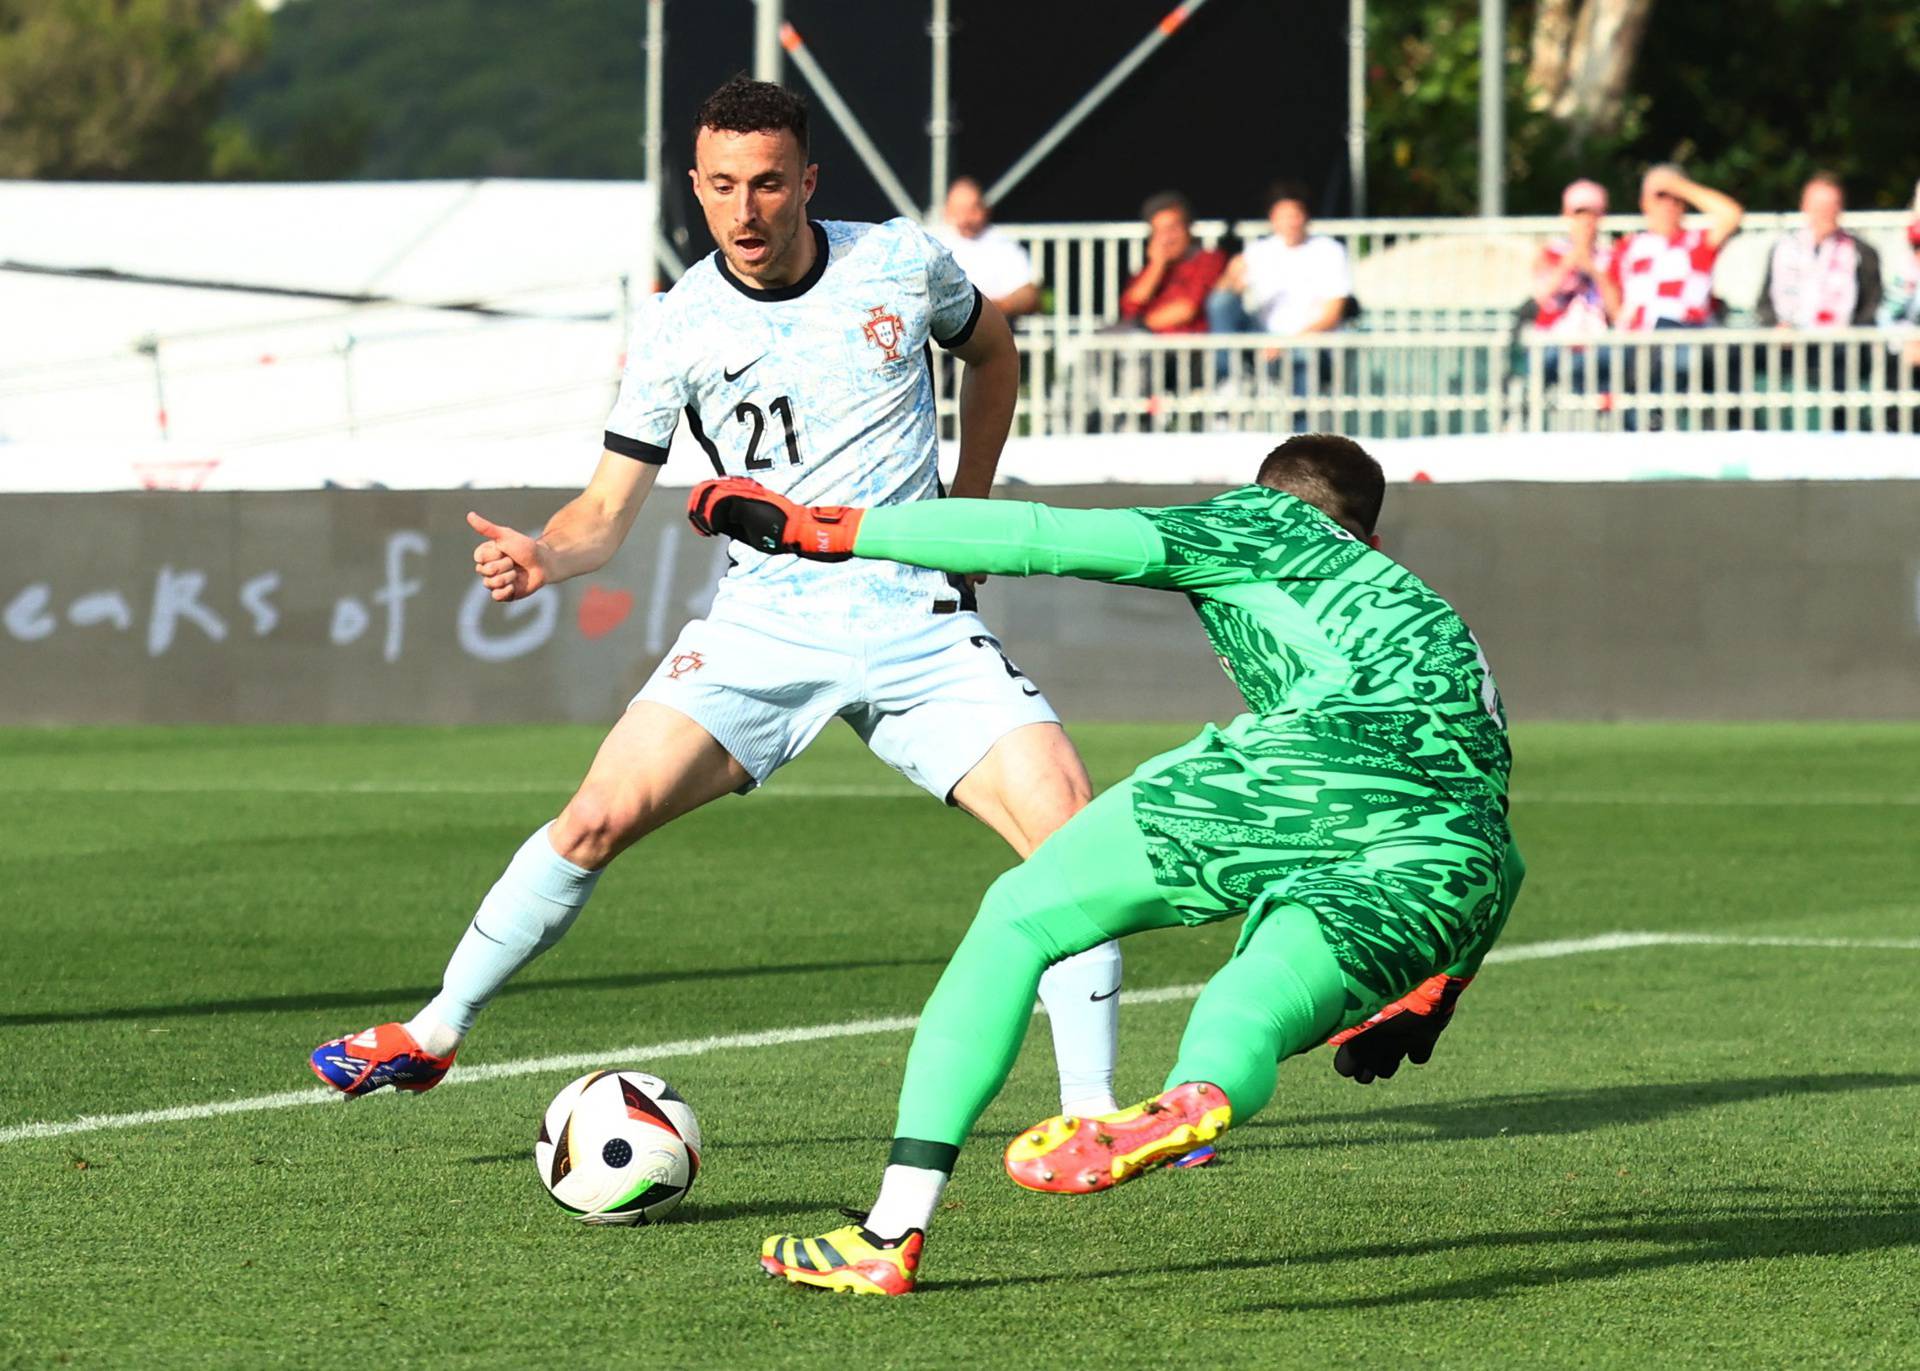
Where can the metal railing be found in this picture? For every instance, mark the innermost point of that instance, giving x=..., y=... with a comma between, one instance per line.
x=1408, y=273
x=1841, y=380
x=1431, y=383
x=1398, y=385
x=1040, y=379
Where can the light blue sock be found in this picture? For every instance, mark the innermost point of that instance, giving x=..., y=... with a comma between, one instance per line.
x=529, y=908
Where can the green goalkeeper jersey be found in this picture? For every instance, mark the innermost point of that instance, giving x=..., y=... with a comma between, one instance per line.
x=1307, y=620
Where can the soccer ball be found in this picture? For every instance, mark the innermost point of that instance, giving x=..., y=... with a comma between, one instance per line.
x=618, y=1147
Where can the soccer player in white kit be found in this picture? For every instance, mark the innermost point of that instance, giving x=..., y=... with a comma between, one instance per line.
x=796, y=354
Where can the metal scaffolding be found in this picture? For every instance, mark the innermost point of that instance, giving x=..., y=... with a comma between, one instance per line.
x=775, y=40
x=768, y=17
x=940, y=121
x=1089, y=102
x=1493, y=108
x=843, y=115
x=660, y=256
x=1357, y=107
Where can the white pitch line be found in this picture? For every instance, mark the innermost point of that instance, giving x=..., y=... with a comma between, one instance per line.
x=1757, y=940
x=855, y=1028
x=1620, y=942
x=527, y=1066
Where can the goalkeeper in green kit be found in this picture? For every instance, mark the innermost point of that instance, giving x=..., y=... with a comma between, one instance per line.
x=1356, y=817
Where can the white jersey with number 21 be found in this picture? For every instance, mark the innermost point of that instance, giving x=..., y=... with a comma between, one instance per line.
x=820, y=390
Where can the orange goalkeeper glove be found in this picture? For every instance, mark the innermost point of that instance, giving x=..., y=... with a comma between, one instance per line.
x=735, y=507
x=1407, y=1028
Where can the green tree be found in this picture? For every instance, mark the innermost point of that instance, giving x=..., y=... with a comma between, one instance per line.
x=1750, y=98
x=1753, y=98
x=1423, y=110
x=446, y=88
x=119, y=88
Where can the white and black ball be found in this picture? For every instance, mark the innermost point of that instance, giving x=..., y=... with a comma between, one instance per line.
x=618, y=1147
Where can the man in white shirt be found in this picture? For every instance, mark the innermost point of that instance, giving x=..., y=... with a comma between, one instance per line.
x=1293, y=283
x=995, y=263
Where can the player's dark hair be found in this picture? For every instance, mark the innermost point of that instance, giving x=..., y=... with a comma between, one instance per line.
x=744, y=105
x=1295, y=191
x=1165, y=200
x=1333, y=474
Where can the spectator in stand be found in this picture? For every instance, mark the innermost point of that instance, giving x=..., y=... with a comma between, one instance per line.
x=1902, y=307
x=1820, y=276
x=1574, y=292
x=1665, y=275
x=995, y=263
x=1293, y=283
x=1901, y=311
x=1169, y=294
x=1665, y=271
x=1575, y=295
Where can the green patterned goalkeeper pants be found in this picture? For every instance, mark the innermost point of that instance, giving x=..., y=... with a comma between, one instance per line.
x=1360, y=878
x=1402, y=877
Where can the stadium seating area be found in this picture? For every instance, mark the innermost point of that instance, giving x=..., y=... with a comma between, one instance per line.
x=1440, y=343
x=425, y=340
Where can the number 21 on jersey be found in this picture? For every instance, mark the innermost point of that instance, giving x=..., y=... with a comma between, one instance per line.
x=755, y=419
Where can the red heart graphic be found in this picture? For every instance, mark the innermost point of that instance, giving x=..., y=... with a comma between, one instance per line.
x=602, y=611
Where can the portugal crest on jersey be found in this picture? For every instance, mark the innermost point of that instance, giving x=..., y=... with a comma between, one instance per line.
x=885, y=331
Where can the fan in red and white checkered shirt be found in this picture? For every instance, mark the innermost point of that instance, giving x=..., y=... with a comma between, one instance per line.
x=1665, y=271
x=1574, y=293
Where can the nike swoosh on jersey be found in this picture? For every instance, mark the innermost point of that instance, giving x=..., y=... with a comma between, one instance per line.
x=733, y=376
x=1109, y=995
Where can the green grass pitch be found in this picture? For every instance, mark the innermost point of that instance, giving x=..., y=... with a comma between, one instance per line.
x=1670, y=1155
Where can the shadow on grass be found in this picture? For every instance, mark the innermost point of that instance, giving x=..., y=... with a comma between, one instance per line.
x=1490, y=1116
x=695, y=1212
x=1548, y=1111
x=1683, y=1240
x=1739, y=1233
x=413, y=995
x=996, y=1138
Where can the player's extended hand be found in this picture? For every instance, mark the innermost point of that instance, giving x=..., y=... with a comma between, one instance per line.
x=1407, y=1028
x=735, y=507
x=508, y=561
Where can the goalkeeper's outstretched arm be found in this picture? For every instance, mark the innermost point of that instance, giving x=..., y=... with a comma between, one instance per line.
x=964, y=537
x=1014, y=538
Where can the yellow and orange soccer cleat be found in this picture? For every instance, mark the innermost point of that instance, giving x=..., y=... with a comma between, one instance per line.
x=1075, y=1156
x=848, y=1258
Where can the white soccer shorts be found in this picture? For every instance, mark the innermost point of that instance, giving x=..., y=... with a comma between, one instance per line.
x=930, y=696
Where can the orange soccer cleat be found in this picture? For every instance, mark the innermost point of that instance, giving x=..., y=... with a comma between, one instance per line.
x=1077, y=1156
x=383, y=1055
